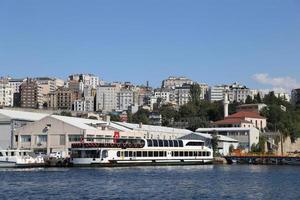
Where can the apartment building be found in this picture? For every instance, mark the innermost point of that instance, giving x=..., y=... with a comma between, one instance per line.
x=6, y=94
x=31, y=94
x=173, y=82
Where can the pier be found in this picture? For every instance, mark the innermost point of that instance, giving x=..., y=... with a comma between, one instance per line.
x=263, y=159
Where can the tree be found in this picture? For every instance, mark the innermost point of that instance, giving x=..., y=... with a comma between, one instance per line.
x=214, y=143
x=249, y=100
x=231, y=148
x=115, y=118
x=141, y=116
x=195, y=93
x=66, y=113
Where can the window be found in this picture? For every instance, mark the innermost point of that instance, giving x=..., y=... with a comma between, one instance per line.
x=150, y=143
x=62, y=140
x=41, y=138
x=171, y=143
x=25, y=138
x=74, y=138
x=181, y=153
x=126, y=153
x=1, y=155
x=144, y=153
x=16, y=138
x=130, y=153
x=118, y=154
x=166, y=144
x=155, y=143
x=195, y=144
x=180, y=143
x=155, y=153
x=150, y=153
x=186, y=153
x=161, y=154
x=176, y=153
x=175, y=143
x=139, y=154
x=160, y=143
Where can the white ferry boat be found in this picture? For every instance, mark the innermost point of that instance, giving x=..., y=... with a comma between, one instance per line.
x=19, y=158
x=126, y=152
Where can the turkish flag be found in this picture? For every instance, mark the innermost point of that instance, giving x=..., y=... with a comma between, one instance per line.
x=116, y=136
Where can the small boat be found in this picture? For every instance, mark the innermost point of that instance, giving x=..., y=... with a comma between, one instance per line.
x=20, y=158
x=291, y=161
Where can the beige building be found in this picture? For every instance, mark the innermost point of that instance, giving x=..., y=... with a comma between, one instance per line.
x=31, y=94
x=6, y=94
x=63, y=98
x=56, y=133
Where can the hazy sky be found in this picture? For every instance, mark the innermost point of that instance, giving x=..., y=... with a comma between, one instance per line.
x=254, y=42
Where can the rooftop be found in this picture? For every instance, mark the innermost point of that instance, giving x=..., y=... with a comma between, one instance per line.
x=22, y=115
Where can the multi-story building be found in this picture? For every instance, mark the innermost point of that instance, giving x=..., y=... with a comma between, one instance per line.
x=86, y=79
x=173, y=82
x=75, y=86
x=295, y=96
x=85, y=104
x=239, y=93
x=31, y=95
x=124, y=99
x=6, y=94
x=217, y=93
x=204, y=91
x=106, y=97
x=15, y=84
x=283, y=95
x=182, y=94
x=65, y=98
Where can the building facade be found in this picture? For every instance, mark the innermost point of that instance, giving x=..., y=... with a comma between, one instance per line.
x=6, y=94
x=31, y=94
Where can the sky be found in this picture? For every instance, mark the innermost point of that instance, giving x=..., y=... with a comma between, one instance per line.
x=256, y=43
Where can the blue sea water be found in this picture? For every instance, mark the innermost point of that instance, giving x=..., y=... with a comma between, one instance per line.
x=176, y=182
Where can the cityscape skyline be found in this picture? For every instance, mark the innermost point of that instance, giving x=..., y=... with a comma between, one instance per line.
x=255, y=44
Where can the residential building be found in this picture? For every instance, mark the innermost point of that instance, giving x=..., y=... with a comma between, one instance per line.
x=217, y=93
x=173, y=82
x=31, y=94
x=106, y=97
x=6, y=94
x=15, y=84
x=124, y=99
x=284, y=95
x=182, y=94
x=86, y=79
x=246, y=137
x=65, y=98
x=239, y=93
x=85, y=104
x=243, y=119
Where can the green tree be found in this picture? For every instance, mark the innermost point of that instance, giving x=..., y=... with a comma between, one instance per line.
x=141, y=116
x=195, y=93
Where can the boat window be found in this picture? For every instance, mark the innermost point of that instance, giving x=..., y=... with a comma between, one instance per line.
x=155, y=143
x=181, y=153
x=12, y=153
x=165, y=154
x=118, y=154
x=200, y=153
x=1, y=154
x=6, y=153
x=180, y=143
x=195, y=153
x=161, y=154
x=126, y=153
x=171, y=143
x=176, y=154
x=208, y=153
x=155, y=153
x=150, y=153
x=194, y=144
x=186, y=153
x=139, y=154
x=160, y=143
x=144, y=153
x=104, y=154
x=175, y=143
x=166, y=144
x=150, y=144
x=130, y=153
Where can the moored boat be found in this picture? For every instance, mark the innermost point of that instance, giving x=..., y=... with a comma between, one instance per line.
x=20, y=158
x=127, y=152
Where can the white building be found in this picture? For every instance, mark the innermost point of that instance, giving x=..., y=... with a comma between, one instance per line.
x=87, y=79
x=106, y=97
x=182, y=94
x=245, y=136
x=124, y=99
x=224, y=142
x=10, y=120
x=239, y=93
x=173, y=82
x=216, y=93
x=85, y=104
x=6, y=94
x=15, y=84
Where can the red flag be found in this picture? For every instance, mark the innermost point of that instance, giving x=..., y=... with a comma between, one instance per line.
x=116, y=136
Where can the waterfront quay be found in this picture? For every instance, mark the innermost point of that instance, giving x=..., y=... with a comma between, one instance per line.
x=263, y=159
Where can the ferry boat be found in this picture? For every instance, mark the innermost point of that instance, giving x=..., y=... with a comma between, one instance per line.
x=20, y=158
x=127, y=152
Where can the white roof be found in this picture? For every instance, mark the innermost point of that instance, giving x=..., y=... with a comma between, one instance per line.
x=22, y=115
x=79, y=122
x=220, y=137
x=153, y=128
